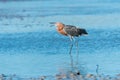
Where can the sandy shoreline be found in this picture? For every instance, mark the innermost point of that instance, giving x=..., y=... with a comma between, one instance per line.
x=63, y=76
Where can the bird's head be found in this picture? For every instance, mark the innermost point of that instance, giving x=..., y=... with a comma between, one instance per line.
x=56, y=24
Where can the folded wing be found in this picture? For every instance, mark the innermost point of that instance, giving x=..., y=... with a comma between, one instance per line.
x=74, y=31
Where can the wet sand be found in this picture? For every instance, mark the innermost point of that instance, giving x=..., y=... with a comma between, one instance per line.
x=63, y=76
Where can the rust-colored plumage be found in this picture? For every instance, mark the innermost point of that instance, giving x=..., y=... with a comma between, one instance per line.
x=60, y=28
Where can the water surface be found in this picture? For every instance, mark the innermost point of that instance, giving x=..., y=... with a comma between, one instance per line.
x=30, y=47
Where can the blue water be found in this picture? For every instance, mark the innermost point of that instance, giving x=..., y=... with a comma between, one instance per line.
x=29, y=47
x=44, y=53
x=55, y=7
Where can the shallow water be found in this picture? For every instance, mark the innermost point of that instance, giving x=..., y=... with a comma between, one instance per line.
x=29, y=47
x=39, y=53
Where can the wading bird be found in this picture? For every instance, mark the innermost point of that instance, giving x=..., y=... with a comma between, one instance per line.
x=71, y=31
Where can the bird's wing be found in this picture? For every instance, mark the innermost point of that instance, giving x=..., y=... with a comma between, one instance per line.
x=70, y=30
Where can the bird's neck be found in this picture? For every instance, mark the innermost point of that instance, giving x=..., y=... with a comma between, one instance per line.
x=60, y=27
x=61, y=30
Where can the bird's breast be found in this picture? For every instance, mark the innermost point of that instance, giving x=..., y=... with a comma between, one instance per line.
x=62, y=32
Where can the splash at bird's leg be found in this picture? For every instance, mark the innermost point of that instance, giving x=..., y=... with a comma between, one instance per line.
x=97, y=69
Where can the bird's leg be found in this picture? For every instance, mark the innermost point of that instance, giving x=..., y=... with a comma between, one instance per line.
x=71, y=57
x=71, y=46
x=77, y=62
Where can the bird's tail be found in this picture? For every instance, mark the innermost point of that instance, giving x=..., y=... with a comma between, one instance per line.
x=82, y=32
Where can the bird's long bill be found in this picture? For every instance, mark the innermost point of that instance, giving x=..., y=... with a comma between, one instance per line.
x=52, y=24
